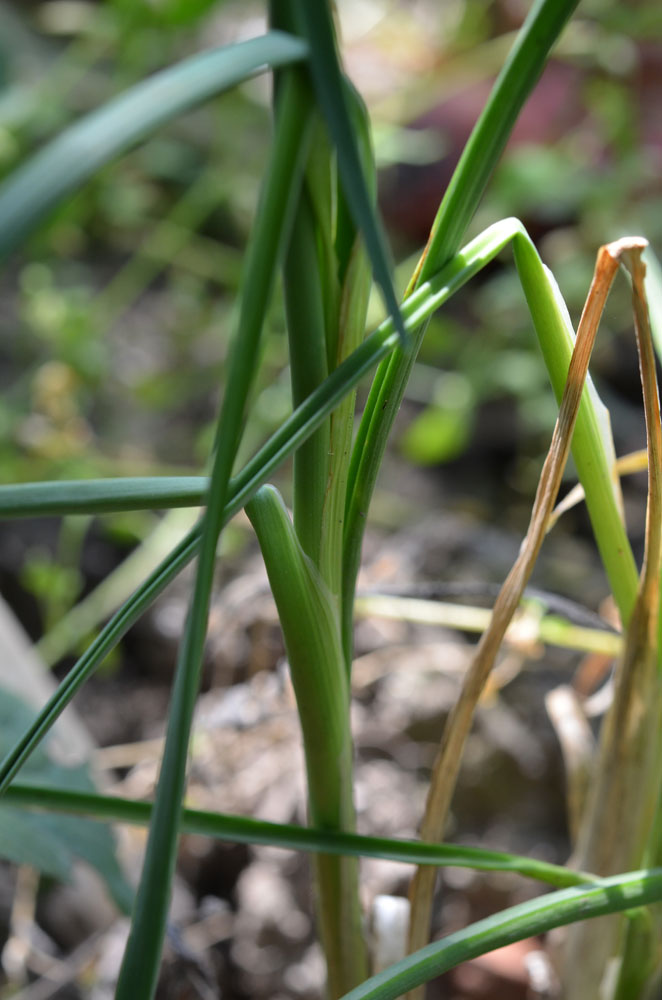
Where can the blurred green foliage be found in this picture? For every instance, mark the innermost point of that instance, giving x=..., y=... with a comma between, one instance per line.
x=51, y=843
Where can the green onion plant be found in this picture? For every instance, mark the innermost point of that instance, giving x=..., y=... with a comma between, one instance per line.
x=317, y=231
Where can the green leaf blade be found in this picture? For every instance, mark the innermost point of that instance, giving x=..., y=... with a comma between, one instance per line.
x=519, y=75
x=30, y=193
x=269, y=236
x=101, y=496
x=245, y=830
x=317, y=28
x=612, y=895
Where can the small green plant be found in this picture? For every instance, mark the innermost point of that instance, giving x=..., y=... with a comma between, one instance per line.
x=316, y=224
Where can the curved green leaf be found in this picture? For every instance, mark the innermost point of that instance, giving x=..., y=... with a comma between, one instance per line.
x=609, y=895
x=70, y=159
x=311, y=628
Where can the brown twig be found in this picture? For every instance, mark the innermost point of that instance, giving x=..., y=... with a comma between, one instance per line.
x=624, y=790
x=447, y=764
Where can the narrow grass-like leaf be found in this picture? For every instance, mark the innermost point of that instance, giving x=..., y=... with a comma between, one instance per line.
x=516, y=81
x=140, y=966
x=102, y=496
x=551, y=629
x=68, y=161
x=245, y=830
x=521, y=71
x=609, y=895
x=317, y=28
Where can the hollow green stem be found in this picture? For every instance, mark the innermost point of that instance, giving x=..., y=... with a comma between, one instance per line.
x=309, y=619
x=308, y=365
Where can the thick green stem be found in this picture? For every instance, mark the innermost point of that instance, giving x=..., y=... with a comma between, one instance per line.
x=353, y=309
x=308, y=616
x=306, y=332
x=305, y=562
